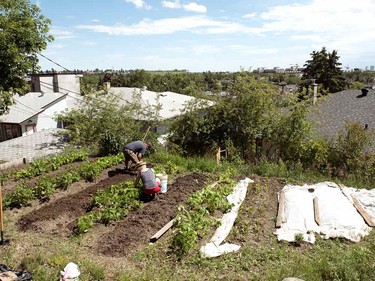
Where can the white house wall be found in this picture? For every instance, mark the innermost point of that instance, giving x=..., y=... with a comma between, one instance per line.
x=45, y=120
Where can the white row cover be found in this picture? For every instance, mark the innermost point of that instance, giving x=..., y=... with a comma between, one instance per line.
x=338, y=217
x=215, y=247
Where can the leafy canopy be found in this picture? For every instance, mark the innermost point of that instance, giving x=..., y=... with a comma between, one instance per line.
x=325, y=68
x=24, y=33
x=250, y=110
x=108, y=122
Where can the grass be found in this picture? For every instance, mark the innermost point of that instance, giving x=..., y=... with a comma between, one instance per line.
x=327, y=260
x=261, y=257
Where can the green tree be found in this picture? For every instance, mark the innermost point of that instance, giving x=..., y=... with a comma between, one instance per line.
x=325, y=68
x=107, y=122
x=351, y=150
x=23, y=34
x=248, y=112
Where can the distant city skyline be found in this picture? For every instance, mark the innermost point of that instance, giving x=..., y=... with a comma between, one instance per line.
x=206, y=35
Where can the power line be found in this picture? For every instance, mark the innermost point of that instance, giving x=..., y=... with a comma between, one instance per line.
x=54, y=62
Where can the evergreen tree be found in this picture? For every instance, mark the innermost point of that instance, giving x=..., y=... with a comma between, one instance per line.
x=325, y=68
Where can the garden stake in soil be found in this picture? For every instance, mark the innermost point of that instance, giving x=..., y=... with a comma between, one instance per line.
x=161, y=232
x=2, y=241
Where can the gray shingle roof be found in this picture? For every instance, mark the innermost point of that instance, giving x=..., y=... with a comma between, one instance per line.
x=331, y=112
x=171, y=103
x=29, y=105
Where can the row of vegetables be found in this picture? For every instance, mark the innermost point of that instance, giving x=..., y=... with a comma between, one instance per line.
x=193, y=220
x=46, y=184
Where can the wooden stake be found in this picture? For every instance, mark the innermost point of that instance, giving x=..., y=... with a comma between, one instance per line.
x=316, y=210
x=1, y=217
x=1, y=210
x=280, y=211
x=218, y=155
x=144, y=137
x=362, y=212
x=163, y=230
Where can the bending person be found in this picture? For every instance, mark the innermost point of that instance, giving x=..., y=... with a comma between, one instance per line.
x=134, y=151
x=150, y=185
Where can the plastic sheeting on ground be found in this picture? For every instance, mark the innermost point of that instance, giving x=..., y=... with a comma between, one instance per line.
x=337, y=216
x=214, y=248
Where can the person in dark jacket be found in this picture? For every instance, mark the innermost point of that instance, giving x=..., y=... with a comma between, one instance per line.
x=134, y=151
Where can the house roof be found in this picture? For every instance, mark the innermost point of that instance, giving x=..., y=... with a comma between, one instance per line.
x=332, y=112
x=27, y=106
x=171, y=103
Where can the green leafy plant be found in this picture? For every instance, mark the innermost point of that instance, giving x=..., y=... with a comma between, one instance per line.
x=110, y=204
x=89, y=171
x=298, y=239
x=197, y=216
x=20, y=197
x=44, y=187
x=62, y=181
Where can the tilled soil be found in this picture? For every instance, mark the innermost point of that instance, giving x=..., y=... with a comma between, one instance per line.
x=59, y=217
x=139, y=226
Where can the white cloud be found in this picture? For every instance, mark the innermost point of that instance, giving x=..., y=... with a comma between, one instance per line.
x=95, y=20
x=194, y=24
x=345, y=26
x=139, y=4
x=191, y=7
x=57, y=46
x=332, y=19
x=89, y=43
x=194, y=7
x=204, y=49
x=249, y=16
x=171, y=5
x=253, y=50
x=61, y=34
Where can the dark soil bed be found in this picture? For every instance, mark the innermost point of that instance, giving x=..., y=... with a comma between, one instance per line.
x=59, y=216
x=139, y=226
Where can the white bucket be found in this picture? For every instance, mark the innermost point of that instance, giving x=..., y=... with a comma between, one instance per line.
x=164, y=182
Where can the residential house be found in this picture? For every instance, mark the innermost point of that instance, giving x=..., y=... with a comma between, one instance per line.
x=36, y=111
x=331, y=112
x=171, y=104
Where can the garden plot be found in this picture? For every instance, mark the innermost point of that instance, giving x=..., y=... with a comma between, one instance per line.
x=324, y=208
x=58, y=216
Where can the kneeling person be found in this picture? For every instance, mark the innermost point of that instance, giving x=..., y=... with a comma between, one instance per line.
x=149, y=182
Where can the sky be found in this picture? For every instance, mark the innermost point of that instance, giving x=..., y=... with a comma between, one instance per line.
x=206, y=35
